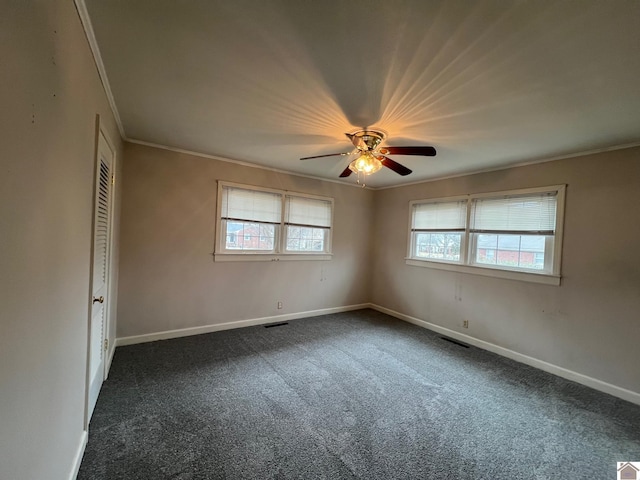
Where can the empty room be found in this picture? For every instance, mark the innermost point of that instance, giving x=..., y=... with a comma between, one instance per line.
x=356, y=239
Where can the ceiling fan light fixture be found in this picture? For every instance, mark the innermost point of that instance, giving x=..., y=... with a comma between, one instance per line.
x=365, y=164
x=372, y=157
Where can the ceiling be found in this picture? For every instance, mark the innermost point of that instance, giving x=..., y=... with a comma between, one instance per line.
x=487, y=83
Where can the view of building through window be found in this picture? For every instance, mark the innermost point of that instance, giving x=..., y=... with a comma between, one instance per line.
x=525, y=251
x=249, y=236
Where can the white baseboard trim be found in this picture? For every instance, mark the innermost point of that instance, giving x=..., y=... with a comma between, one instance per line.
x=185, y=332
x=594, y=383
x=77, y=459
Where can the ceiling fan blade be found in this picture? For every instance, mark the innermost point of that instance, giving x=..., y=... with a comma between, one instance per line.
x=346, y=173
x=395, y=166
x=328, y=155
x=424, y=151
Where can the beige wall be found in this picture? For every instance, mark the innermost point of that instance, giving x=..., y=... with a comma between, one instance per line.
x=50, y=97
x=590, y=324
x=168, y=279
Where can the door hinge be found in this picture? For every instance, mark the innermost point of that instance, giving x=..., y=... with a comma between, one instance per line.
x=106, y=344
x=113, y=179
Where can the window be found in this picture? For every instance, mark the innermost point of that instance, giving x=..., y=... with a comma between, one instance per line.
x=308, y=221
x=438, y=230
x=271, y=224
x=514, y=231
x=249, y=218
x=517, y=233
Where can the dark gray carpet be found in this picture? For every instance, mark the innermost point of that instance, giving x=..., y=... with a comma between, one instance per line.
x=352, y=395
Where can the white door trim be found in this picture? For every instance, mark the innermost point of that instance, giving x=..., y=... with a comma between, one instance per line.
x=100, y=133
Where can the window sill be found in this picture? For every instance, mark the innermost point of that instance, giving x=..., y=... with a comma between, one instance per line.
x=269, y=257
x=543, y=278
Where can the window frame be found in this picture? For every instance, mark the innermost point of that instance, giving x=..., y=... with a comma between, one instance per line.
x=551, y=275
x=279, y=252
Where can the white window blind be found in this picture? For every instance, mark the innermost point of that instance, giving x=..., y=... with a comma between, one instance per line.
x=533, y=214
x=251, y=205
x=309, y=212
x=441, y=216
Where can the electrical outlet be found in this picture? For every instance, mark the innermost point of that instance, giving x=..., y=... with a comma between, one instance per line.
x=465, y=323
x=279, y=305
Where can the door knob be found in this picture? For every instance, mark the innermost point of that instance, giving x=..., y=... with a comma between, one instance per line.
x=100, y=299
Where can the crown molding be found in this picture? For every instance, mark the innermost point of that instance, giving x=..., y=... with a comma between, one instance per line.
x=516, y=165
x=240, y=162
x=83, y=13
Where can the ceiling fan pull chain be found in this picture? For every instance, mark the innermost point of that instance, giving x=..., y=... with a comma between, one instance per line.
x=363, y=177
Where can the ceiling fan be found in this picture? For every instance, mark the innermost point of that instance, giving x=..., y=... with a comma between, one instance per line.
x=372, y=157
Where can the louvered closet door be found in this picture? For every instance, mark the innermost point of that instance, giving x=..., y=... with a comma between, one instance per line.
x=100, y=280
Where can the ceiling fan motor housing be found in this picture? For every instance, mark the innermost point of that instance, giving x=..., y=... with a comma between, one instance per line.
x=366, y=140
